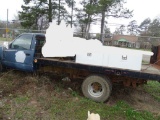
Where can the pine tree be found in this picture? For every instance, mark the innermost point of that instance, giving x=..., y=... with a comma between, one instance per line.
x=87, y=14
x=40, y=10
x=71, y=4
x=113, y=8
x=30, y=14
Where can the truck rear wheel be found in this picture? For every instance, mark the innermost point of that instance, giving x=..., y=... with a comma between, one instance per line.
x=97, y=88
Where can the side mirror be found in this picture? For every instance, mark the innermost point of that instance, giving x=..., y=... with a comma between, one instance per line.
x=6, y=45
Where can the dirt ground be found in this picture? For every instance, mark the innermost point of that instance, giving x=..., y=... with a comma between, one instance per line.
x=44, y=87
x=136, y=97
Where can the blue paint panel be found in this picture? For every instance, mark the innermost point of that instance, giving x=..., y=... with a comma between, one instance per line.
x=10, y=56
x=18, y=66
x=24, y=60
x=25, y=45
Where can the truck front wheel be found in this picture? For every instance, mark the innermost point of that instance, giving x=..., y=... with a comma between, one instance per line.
x=97, y=88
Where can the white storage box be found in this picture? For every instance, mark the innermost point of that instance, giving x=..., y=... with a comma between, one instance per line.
x=125, y=61
x=90, y=58
x=113, y=57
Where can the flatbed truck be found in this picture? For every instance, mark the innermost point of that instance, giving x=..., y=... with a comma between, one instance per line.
x=25, y=53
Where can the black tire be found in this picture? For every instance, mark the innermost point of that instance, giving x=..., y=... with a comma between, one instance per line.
x=97, y=88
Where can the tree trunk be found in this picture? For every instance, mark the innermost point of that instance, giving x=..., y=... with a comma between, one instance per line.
x=72, y=14
x=50, y=11
x=89, y=23
x=41, y=24
x=102, y=27
x=82, y=31
x=88, y=27
x=59, y=12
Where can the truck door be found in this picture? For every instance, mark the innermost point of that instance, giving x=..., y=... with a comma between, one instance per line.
x=19, y=55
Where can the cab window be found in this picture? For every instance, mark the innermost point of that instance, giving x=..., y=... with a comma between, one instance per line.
x=23, y=42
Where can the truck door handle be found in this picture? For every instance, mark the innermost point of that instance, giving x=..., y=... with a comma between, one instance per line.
x=27, y=54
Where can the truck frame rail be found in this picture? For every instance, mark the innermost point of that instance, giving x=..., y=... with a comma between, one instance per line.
x=148, y=72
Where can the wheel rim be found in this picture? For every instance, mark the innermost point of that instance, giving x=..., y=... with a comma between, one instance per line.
x=95, y=89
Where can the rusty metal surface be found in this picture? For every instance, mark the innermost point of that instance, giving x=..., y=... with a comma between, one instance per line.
x=158, y=56
x=149, y=73
x=65, y=72
x=127, y=81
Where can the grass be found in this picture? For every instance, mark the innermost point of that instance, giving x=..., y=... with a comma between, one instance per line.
x=5, y=39
x=29, y=97
x=153, y=88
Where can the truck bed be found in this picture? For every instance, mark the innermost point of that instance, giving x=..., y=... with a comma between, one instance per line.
x=148, y=71
x=149, y=68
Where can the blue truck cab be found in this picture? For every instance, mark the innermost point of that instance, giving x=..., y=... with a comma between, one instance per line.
x=22, y=52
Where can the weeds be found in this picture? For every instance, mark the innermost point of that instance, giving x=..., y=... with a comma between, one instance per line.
x=27, y=97
x=5, y=39
x=153, y=87
x=130, y=114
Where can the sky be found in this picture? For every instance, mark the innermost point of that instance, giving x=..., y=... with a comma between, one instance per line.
x=142, y=9
x=13, y=7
